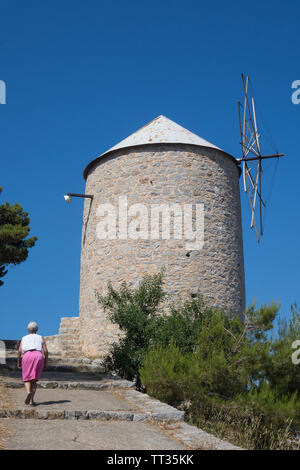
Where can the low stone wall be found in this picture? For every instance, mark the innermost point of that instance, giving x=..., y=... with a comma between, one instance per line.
x=11, y=344
x=65, y=343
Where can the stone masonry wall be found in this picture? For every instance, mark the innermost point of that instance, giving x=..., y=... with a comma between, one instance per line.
x=166, y=173
x=69, y=330
x=66, y=343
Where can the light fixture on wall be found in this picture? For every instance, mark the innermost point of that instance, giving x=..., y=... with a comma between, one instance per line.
x=68, y=197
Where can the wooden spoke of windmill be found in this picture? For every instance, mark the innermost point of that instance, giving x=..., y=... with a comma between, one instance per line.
x=251, y=157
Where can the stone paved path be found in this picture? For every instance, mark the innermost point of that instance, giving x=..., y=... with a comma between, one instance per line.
x=83, y=409
x=34, y=434
x=58, y=399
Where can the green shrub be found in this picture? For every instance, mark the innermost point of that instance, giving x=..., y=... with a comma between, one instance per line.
x=135, y=312
x=139, y=315
x=183, y=323
x=220, y=361
x=281, y=373
x=164, y=374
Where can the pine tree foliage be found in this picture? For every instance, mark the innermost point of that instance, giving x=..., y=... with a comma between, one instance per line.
x=14, y=230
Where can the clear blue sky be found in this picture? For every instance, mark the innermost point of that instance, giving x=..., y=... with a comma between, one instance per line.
x=81, y=76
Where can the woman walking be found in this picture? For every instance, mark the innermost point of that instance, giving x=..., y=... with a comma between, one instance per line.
x=33, y=347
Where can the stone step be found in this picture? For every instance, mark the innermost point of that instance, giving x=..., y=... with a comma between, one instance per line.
x=78, y=360
x=69, y=340
x=65, y=343
x=122, y=403
x=69, y=336
x=64, y=330
x=75, y=354
x=72, y=348
x=103, y=400
x=69, y=319
x=106, y=384
x=70, y=343
x=103, y=415
x=74, y=362
x=11, y=365
x=69, y=324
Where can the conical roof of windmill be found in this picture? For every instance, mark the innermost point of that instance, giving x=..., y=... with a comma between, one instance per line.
x=159, y=131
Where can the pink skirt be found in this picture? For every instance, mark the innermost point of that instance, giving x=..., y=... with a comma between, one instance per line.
x=32, y=366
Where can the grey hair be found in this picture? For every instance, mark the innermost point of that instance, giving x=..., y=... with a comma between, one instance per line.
x=32, y=327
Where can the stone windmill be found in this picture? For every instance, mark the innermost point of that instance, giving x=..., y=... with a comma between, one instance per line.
x=161, y=167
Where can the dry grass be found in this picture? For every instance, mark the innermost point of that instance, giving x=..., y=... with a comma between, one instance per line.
x=247, y=432
x=4, y=403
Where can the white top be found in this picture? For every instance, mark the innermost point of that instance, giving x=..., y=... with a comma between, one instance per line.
x=162, y=130
x=32, y=341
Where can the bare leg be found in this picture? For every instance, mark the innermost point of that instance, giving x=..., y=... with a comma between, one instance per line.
x=33, y=390
x=28, y=392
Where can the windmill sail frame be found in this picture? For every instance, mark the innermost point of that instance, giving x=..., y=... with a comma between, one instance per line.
x=251, y=154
